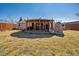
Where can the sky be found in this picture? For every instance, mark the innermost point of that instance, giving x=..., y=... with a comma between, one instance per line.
x=56, y=11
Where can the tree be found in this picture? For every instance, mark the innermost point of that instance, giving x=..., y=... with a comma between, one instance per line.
x=20, y=19
x=10, y=19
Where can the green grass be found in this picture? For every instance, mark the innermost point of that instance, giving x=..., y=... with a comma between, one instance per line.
x=53, y=45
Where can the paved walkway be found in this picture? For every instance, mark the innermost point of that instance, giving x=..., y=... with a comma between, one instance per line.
x=39, y=32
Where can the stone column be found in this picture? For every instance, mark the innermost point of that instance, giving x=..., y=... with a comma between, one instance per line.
x=34, y=26
x=58, y=28
x=53, y=26
x=29, y=26
x=26, y=26
x=49, y=25
x=44, y=26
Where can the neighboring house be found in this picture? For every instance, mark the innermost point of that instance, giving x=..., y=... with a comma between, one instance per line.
x=71, y=25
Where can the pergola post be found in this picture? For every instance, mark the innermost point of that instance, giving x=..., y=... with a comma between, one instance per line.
x=26, y=26
x=43, y=26
x=34, y=26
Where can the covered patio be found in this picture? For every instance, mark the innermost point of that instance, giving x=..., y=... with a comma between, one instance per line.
x=39, y=25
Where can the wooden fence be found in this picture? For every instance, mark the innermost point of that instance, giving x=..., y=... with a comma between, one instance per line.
x=71, y=26
x=7, y=26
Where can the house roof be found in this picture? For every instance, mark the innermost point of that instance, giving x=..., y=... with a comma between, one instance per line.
x=40, y=19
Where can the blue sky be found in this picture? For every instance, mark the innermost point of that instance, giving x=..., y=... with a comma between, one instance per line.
x=59, y=11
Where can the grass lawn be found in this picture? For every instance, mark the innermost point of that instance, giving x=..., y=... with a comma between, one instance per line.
x=47, y=45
